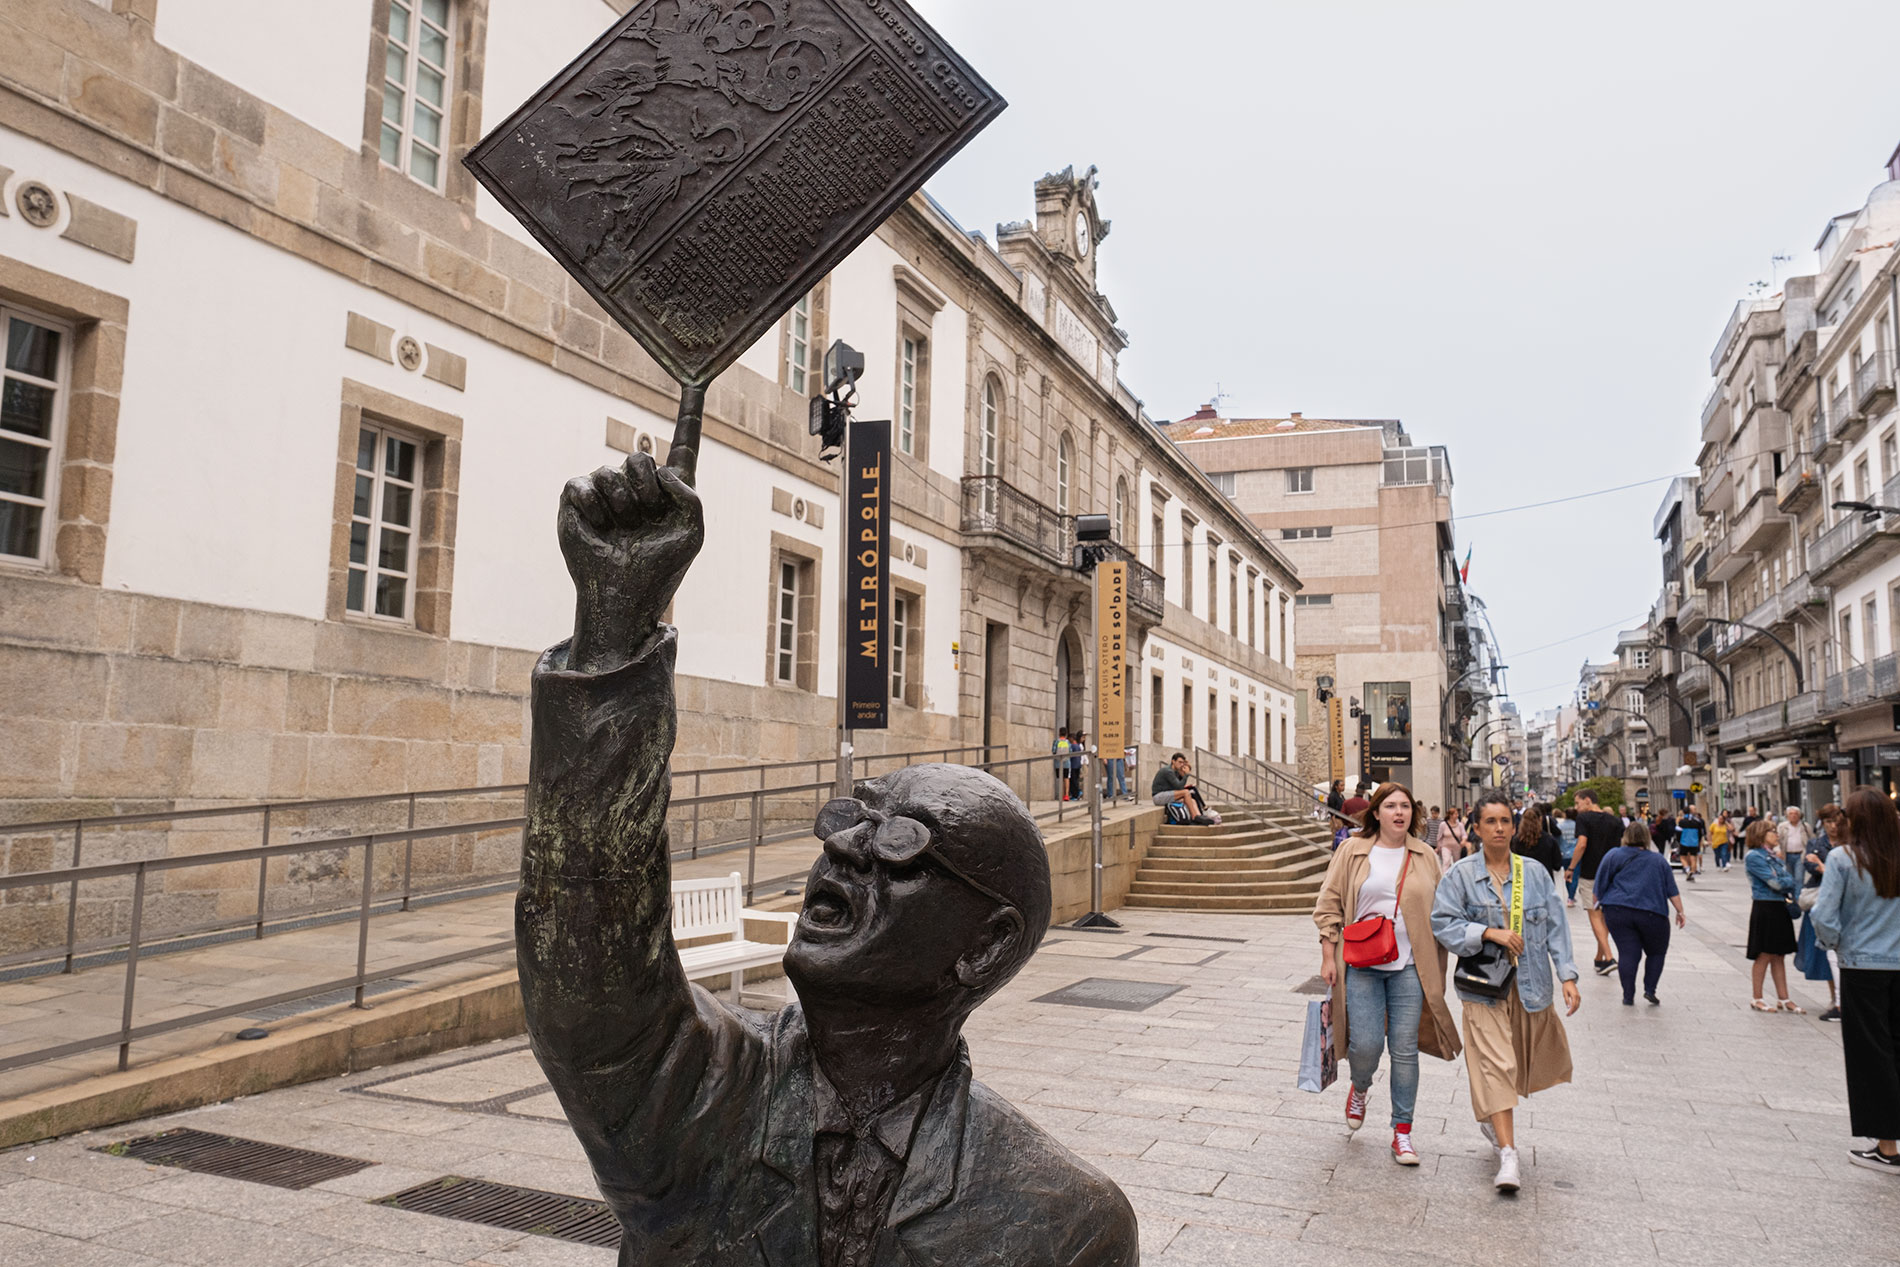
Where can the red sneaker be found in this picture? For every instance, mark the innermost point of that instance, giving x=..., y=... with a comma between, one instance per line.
x=1355, y=1109
x=1402, y=1150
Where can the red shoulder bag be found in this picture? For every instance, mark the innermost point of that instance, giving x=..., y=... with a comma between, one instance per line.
x=1374, y=941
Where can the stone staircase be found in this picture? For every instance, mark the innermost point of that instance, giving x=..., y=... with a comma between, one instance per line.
x=1262, y=859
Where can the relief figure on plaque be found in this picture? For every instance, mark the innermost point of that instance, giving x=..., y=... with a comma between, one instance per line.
x=689, y=83
x=844, y=1130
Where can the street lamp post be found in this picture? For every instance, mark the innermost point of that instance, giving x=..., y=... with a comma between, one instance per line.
x=1800, y=682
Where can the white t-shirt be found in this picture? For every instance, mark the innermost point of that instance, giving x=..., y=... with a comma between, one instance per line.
x=1379, y=895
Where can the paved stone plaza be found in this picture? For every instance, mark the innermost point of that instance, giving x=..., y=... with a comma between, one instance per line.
x=1697, y=1132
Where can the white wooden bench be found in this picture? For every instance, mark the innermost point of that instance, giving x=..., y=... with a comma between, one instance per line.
x=716, y=908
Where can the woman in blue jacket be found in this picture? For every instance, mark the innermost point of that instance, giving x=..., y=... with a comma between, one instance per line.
x=1770, y=928
x=1635, y=888
x=1858, y=915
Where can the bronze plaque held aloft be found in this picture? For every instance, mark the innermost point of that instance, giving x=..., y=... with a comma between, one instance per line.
x=707, y=162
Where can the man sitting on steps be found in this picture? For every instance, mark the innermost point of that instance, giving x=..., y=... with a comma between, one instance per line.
x=1174, y=785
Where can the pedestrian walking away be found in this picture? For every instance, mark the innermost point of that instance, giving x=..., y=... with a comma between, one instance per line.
x=1857, y=914
x=1494, y=907
x=1379, y=958
x=1597, y=834
x=1690, y=833
x=1770, y=928
x=1077, y=747
x=1533, y=839
x=1635, y=889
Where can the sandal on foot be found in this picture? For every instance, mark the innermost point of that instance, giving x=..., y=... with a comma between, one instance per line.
x=1759, y=1006
x=1789, y=1005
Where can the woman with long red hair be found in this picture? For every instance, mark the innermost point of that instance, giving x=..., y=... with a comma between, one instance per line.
x=1857, y=914
x=1377, y=953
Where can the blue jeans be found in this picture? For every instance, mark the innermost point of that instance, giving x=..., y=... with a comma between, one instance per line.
x=1721, y=855
x=1116, y=782
x=1383, y=1009
x=1575, y=879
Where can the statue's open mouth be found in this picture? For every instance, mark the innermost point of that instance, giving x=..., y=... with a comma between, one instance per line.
x=827, y=908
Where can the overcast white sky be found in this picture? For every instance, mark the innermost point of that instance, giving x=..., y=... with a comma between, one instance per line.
x=1517, y=227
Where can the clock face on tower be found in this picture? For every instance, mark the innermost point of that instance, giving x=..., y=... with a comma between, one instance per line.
x=1083, y=237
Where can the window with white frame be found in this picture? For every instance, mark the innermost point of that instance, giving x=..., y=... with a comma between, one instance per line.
x=903, y=635
x=32, y=405
x=383, y=525
x=1299, y=479
x=416, y=89
x=1640, y=657
x=1123, y=529
x=1065, y=461
x=798, y=346
x=1312, y=600
x=785, y=644
x=1633, y=700
x=907, y=396
x=1306, y=534
x=1223, y=482
x=989, y=441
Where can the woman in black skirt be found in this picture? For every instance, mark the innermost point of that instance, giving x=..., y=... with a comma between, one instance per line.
x=1770, y=928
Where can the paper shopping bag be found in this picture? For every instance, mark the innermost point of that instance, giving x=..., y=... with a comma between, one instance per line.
x=1319, y=1065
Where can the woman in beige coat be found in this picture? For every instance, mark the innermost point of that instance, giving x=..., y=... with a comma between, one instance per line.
x=1386, y=869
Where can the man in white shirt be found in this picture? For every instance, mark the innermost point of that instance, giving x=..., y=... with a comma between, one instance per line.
x=1794, y=844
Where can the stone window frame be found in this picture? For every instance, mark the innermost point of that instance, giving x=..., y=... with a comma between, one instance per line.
x=433, y=580
x=913, y=676
x=918, y=304
x=809, y=559
x=992, y=382
x=817, y=340
x=88, y=439
x=464, y=114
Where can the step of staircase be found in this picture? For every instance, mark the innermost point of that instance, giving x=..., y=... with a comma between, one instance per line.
x=1226, y=905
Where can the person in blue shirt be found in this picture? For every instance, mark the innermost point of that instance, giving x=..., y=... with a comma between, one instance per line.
x=1857, y=914
x=1635, y=887
x=1771, y=936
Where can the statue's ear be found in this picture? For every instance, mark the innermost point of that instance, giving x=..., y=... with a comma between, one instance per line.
x=994, y=952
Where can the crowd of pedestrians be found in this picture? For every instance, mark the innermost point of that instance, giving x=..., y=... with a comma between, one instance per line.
x=1418, y=894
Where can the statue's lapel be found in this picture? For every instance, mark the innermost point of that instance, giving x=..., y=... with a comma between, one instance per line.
x=788, y=1233
x=930, y=1175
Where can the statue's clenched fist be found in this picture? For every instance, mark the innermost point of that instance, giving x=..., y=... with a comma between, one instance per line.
x=629, y=533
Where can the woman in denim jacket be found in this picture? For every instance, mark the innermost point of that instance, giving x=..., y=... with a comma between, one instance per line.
x=1516, y=1045
x=1858, y=914
x=1771, y=936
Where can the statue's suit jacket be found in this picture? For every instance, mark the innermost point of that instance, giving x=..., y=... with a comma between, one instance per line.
x=698, y=1119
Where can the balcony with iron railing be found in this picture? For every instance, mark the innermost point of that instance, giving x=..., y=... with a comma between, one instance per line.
x=1843, y=420
x=1873, y=385
x=1762, y=723
x=1862, y=684
x=995, y=510
x=1798, y=488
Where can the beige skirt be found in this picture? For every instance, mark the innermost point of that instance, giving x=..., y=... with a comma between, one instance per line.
x=1511, y=1053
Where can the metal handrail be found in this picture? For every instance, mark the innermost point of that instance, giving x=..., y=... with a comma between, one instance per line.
x=753, y=838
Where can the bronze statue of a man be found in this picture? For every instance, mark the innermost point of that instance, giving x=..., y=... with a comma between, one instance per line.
x=845, y=1131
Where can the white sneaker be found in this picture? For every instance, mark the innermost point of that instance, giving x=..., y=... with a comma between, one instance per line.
x=1490, y=1136
x=1507, y=1170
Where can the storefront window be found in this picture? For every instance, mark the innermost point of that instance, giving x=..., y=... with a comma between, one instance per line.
x=1390, y=704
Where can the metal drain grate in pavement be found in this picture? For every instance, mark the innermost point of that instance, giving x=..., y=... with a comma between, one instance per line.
x=234, y=1158
x=1115, y=996
x=517, y=1209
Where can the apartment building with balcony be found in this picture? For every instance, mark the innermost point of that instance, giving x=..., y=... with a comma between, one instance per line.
x=1790, y=597
x=1364, y=514
x=289, y=403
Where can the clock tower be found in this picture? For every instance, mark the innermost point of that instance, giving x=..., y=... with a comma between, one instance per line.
x=1067, y=221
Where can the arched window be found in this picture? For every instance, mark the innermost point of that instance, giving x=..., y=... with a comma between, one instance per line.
x=1123, y=529
x=1065, y=462
x=989, y=442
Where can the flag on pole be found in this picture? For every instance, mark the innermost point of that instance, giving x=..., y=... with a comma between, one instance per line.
x=1464, y=573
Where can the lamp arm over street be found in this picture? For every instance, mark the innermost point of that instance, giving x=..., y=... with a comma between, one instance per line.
x=1800, y=679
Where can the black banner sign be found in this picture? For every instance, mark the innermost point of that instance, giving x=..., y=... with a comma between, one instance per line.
x=1844, y=760
x=1365, y=747
x=705, y=163
x=867, y=634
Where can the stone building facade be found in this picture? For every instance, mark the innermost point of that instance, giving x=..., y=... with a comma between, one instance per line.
x=1365, y=515
x=291, y=401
